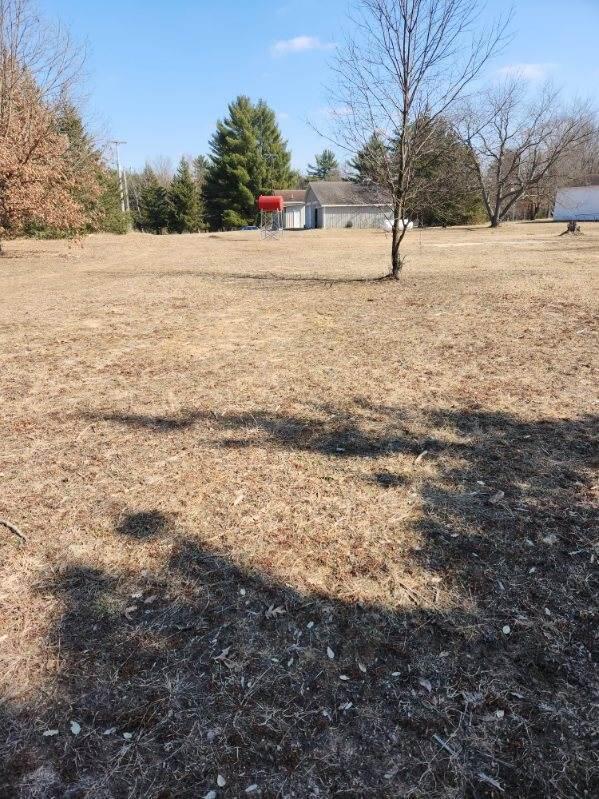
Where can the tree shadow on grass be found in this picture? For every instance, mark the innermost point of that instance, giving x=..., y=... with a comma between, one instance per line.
x=267, y=277
x=203, y=667
x=335, y=435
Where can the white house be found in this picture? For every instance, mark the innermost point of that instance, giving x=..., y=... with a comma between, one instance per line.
x=339, y=204
x=578, y=202
x=294, y=208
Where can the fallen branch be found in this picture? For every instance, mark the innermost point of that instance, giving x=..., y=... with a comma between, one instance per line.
x=13, y=528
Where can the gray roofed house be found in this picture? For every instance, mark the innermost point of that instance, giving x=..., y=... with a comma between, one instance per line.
x=292, y=195
x=294, y=208
x=335, y=204
x=340, y=203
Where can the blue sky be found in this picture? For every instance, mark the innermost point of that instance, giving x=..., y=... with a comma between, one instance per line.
x=161, y=73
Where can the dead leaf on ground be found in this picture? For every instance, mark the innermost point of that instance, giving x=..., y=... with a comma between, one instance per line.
x=272, y=612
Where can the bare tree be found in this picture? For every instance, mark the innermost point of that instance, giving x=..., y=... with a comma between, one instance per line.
x=519, y=146
x=162, y=167
x=34, y=50
x=407, y=65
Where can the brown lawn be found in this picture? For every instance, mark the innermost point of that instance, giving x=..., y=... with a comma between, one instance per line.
x=318, y=535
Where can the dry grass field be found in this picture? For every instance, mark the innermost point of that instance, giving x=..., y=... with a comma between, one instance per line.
x=293, y=533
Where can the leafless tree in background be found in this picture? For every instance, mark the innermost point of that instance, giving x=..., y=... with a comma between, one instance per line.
x=407, y=64
x=33, y=50
x=519, y=146
x=162, y=167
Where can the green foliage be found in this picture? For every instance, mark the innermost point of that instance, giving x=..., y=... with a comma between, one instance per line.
x=185, y=214
x=199, y=167
x=441, y=192
x=444, y=191
x=248, y=157
x=97, y=190
x=37, y=230
x=110, y=218
x=152, y=207
x=326, y=168
x=297, y=180
x=366, y=166
x=231, y=220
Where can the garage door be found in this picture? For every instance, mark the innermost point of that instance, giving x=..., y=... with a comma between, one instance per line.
x=292, y=217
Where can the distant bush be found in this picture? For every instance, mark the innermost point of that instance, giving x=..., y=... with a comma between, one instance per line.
x=40, y=231
x=349, y=223
x=232, y=220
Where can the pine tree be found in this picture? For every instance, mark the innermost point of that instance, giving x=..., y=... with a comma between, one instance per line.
x=326, y=168
x=154, y=206
x=366, y=165
x=110, y=216
x=96, y=189
x=184, y=202
x=248, y=158
x=275, y=161
x=444, y=192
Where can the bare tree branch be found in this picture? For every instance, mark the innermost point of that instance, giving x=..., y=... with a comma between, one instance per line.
x=397, y=77
x=516, y=142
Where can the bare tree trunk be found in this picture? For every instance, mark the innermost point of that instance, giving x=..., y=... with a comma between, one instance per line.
x=399, y=79
x=396, y=259
x=516, y=144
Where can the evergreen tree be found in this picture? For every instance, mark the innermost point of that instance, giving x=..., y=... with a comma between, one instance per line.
x=82, y=157
x=275, y=159
x=110, y=216
x=97, y=188
x=297, y=180
x=154, y=206
x=444, y=191
x=184, y=202
x=248, y=158
x=366, y=165
x=326, y=168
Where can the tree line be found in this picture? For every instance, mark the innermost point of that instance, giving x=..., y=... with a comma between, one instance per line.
x=410, y=126
x=248, y=157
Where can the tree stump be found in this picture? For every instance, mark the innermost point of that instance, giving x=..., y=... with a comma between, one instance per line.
x=573, y=229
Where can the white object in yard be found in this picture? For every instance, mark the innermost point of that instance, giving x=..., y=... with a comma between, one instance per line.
x=578, y=203
x=404, y=223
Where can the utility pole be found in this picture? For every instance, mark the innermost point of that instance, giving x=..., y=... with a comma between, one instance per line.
x=122, y=182
x=126, y=187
